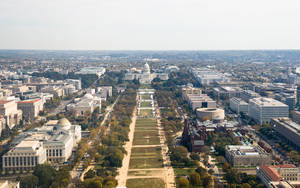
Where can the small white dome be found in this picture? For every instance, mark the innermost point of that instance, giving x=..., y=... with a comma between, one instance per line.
x=88, y=96
x=64, y=122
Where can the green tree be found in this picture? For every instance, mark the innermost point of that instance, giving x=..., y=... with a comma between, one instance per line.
x=46, y=174
x=29, y=181
x=246, y=185
x=195, y=156
x=93, y=182
x=202, y=171
x=207, y=180
x=62, y=179
x=183, y=182
x=195, y=179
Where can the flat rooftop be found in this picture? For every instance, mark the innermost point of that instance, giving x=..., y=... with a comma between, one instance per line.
x=267, y=102
x=243, y=150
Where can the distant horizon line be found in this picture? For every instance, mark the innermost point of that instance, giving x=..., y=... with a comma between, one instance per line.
x=16, y=49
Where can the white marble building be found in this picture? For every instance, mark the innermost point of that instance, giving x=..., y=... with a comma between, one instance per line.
x=52, y=142
x=145, y=77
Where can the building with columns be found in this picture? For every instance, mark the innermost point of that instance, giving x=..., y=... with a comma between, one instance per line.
x=52, y=142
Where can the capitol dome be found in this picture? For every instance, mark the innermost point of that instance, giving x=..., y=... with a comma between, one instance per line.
x=146, y=68
x=64, y=122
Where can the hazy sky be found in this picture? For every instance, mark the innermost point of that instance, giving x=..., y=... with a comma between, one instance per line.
x=149, y=24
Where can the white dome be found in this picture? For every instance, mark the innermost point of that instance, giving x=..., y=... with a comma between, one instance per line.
x=64, y=122
x=88, y=96
x=146, y=68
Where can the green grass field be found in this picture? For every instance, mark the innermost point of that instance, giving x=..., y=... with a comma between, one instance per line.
x=146, y=104
x=145, y=183
x=145, y=112
x=146, y=132
x=146, y=151
x=142, y=162
x=146, y=96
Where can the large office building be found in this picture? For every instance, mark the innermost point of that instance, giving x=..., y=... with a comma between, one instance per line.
x=281, y=176
x=199, y=101
x=246, y=95
x=264, y=109
x=31, y=108
x=238, y=105
x=240, y=155
x=288, y=129
x=52, y=142
x=206, y=76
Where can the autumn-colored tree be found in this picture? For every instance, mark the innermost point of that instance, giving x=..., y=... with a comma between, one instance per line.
x=183, y=182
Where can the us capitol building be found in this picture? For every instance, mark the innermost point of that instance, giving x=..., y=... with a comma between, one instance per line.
x=145, y=76
x=52, y=142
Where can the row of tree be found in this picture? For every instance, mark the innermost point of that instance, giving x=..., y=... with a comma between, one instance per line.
x=45, y=176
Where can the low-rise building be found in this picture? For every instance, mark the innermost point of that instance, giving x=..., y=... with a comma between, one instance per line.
x=88, y=103
x=53, y=142
x=212, y=114
x=296, y=116
x=25, y=156
x=55, y=90
x=193, y=136
x=286, y=175
x=104, y=92
x=99, y=71
x=190, y=91
x=240, y=155
x=9, y=111
x=238, y=105
x=264, y=109
x=76, y=83
x=227, y=92
x=31, y=108
x=9, y=184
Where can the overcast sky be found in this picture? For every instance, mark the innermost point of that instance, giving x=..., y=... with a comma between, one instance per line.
x=149, y=24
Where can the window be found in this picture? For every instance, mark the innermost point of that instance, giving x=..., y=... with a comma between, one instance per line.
x=60, y=152
x=25, y=161
x=13, y=161
x=5, y=161
x=28, y=161
x=36, y=160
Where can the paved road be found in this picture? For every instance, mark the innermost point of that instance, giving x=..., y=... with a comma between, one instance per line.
x=78, y=171
x=60, y=108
